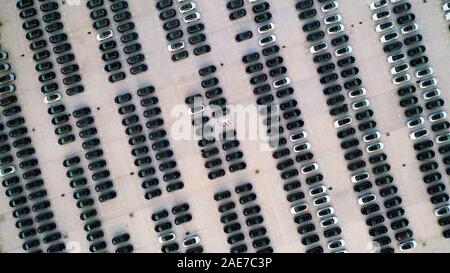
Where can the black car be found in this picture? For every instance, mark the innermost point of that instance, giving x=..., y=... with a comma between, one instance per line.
x=119, y=5
x=101, y=23
x=58, y=38
x=125, y=27
x=117, y=77
x=129, y=37
x=135, y=59
x=195, y=28
x=121, y=238
x=237, y=14
x=107, y=196
x=65, y=58
x=122, y=16
x=138, y=69
x=27, y=13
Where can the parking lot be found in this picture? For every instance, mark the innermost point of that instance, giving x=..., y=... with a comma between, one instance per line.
x=174, y=81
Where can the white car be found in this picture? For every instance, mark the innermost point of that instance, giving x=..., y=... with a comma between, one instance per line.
x=437, y=116
x=310, y=168
x=176, y=46
x=196, y=110
x=441, y=211
x=381, y=15
x=299, y=208
x=388, y=37
x=409, y=28
x=427, y=95
x=329, y=221
x=190, y=241
x=378, y=4
x=321, y=200
x=399, y=68
x=168, y=237
x=446, y=6
x=266, y=28
x=3, y=55
x=192, y=17
x=318, y=48
x=335, y=29
x=418, y=134
x=281, y=83
x=428, y=83
x=359, y=177
x=52, y=98
x=413, y=123
x=105, y=35
x=317, y=190
x=360, y=104
x=342, y=122
x=7, y=88
x=343, y=51
x=267, y=40
x=382, y=27
x=298, y=136
x=396, y=58
x=401, y=79
x=443, y=138
x=424, y=72
x=370, y=197
x=407, y=245
x=447, y=16
x=369, y=137
x=323, y=212
x=7, y=170
x=4, y=67
x=187, y=7
x=374, y=147
x=357, y=93
x=331, y=19
x=302, y=147
x=330, y=6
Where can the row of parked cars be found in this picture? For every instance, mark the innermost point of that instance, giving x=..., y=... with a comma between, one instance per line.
x=446, y=9
x=406, y=52
x=253, y=218
x=83, y=196
x=105, y=36
x=167, y=236
x=48, y=77
x=27, y=193
x=201, y=122
x=230, y=219
x=140, y=152
x=125, y=29
x=122, y=243
x=229, y=143
x=289, y=114
x=6, y=76
x=164, y=155
x=236, y=8
x=169, y=14
x=208, y=146
x=158, y=139
x=48, y=18
x=94, y=154
x=344, y=113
